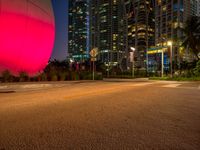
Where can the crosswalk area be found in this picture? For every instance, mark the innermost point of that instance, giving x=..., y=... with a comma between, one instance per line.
x=23, y=87
x=181, y=85
x=169, y=84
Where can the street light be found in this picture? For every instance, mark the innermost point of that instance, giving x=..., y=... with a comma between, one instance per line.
x=170, y=43
x=132, y=59
x=71, y=61
x=132, y=48
x=162, y=63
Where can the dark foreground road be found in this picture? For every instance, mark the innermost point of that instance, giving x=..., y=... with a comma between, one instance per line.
x=102, y=115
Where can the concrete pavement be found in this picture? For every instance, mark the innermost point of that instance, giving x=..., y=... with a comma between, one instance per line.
x=101, y=115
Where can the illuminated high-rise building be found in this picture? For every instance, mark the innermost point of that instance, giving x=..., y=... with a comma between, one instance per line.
x=194, y=7
x=78, y=34
x=120, y=24
x=170, y=17
x=198, y=8
x=107, y=30
x=140, y=28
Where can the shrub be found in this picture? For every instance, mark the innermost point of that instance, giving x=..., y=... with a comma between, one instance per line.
x=74, y=76
x=54, y=77
x=62, y=76
x=87, y=75
x=197, y=69
x=23, y=76
x=6, y=76
x=141, y=73
x=98, y=76
x=43, y=77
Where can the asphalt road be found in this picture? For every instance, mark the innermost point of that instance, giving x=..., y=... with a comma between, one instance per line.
x=100, y=115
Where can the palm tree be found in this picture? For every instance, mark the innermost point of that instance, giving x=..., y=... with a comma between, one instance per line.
x=192, y=35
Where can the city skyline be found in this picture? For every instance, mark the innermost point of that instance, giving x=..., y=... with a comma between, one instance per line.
x=61, y=15
x=100, y=74
x=115, y=26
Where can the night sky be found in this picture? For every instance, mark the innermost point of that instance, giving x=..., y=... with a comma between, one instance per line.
x=60, y=48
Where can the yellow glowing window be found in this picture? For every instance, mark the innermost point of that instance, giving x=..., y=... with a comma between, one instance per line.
x=141, y=34
x=159, y=2
x=164, y=8
x=175, y=24
x=142, y=6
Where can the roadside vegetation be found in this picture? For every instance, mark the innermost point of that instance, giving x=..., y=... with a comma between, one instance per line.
x=188, y=74
x=55, y=71
x=185, y=70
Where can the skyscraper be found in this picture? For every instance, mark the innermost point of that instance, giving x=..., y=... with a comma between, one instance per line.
x=120, y=24
x=198, y=7
x=107, y=29
x=194, y=4
x=170, y=18
x=78, y=35
x=140, y=28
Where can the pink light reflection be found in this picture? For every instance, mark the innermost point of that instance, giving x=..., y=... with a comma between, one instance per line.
x=26, y=42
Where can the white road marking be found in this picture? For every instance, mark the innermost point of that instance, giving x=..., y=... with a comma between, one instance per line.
x=171, y=85
x=140, y=84
x=36, y=86
x=3, y=87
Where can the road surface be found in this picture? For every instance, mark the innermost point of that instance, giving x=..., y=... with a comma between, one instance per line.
x=100, y=115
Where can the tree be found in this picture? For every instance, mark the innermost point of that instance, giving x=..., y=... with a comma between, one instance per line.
x=57, y=70
x=192, y=35
x=197, y=69
x=6, y=76
x=23, y=76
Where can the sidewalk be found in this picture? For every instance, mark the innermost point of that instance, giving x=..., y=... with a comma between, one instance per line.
x=25, y=86
x=126, y=80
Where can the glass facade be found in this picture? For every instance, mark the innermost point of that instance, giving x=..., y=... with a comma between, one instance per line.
x=120, y=24
x=170, y=18
x=140, y=28
x=107, y=29
x=78, y=39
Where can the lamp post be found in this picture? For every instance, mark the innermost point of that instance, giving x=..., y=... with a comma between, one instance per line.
x=132, y=59
x=81, y=61
x=71, y=63
x=162, y=63
x=93, y=54
x=170, y=43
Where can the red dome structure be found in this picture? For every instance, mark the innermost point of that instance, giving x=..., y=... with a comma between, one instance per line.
x=27, y=33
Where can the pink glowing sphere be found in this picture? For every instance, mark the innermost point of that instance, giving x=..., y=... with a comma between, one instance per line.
x=27, y=33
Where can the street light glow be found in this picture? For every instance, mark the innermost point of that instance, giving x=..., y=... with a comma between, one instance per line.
x=132, y=59
x=71, y=60
x=169, y=43
x=132, y=48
